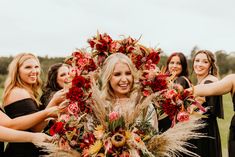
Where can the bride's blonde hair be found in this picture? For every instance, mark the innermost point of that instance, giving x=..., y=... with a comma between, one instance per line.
x=107, y=70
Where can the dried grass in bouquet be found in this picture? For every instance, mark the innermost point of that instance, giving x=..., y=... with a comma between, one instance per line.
x=124, y=130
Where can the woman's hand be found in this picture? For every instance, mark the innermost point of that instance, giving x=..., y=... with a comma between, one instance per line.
x=38, y=138
x=58, y=98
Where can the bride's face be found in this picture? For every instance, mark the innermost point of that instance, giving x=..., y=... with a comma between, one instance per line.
x=121, y=80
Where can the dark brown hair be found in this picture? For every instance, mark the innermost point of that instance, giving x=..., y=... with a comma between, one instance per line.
x=183, y=62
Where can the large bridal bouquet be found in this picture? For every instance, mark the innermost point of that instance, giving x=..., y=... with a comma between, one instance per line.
x=85, y=128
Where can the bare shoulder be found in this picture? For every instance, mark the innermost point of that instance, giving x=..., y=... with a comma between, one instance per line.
x=212, y=78
x=231, y=78
x=16, y=94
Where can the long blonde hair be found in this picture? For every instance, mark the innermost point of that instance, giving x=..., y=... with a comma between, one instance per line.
x=13, y=79
x=107, y=70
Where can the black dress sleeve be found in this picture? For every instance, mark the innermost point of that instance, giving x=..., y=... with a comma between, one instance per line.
x=215, y=104
x=1, y=143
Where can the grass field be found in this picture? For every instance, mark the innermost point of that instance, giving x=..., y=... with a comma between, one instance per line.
x=223, y=123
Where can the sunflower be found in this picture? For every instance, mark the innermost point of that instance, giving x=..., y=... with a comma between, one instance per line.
x=99, y=132
x=95, y=148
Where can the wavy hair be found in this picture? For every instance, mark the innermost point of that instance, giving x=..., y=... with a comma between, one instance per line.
x=212, y=59
x=183, y=62
x=51, y=85
x=107, y=71
x=13, y=78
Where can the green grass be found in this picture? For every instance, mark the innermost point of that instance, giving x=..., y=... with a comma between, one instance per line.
x=223, y=123
x=1, y=95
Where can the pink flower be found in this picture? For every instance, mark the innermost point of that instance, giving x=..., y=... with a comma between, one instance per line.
x=113, y=116
x=73, y=72
x=146, y=93
x=64, y=117
x=73, y=108
x=170, y=94
x=183, y=116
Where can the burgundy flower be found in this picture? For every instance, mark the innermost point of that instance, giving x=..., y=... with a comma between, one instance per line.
x=87, y=140
x=91, y=42
x=138, y=61
x=153, y=57
x=78, y=81
x=170, y=109
x=75, y=94
x=159, y=83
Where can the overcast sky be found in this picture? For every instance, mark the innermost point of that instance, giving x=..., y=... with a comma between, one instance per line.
x=57, y=27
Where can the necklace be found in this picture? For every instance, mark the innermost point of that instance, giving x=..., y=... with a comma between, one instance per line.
x=201, y=81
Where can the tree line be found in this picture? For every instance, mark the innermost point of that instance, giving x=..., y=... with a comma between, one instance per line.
x=225, y=62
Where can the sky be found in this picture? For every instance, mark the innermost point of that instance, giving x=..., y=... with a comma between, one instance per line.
x=58, y=27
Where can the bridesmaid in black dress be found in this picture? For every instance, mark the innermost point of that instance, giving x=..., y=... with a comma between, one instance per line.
x=1, y=144
x=206, y=72
x=10, y=135
x=57, y=78
x=26, y=122
x=20, y=97
x=231, y=142
x=176, y=65
x=226, y=85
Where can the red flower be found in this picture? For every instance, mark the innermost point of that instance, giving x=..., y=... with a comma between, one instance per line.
x=159, y=83
x=78, y=81
x=153, y=57
x=75, y=94
x=170, y=109
x=87, y=140
x=57, y=128
x=138, y=61
x=146, y=93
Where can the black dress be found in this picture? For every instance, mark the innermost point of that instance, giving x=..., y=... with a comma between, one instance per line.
x=1, y=145
x=231, y=141
x=165, y=123
x=210, y=147
x=17, y=109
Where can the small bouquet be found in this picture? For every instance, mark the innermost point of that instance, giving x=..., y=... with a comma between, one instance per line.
x=175, y=102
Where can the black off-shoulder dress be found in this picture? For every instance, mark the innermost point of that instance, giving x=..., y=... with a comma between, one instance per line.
x=1, y=146
x=210, y=147
x=17, y=109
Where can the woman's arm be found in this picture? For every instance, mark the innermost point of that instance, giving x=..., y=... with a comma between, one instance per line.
x=221, y=87
x=57, y=99
x=10, y=135
x=27, y=121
